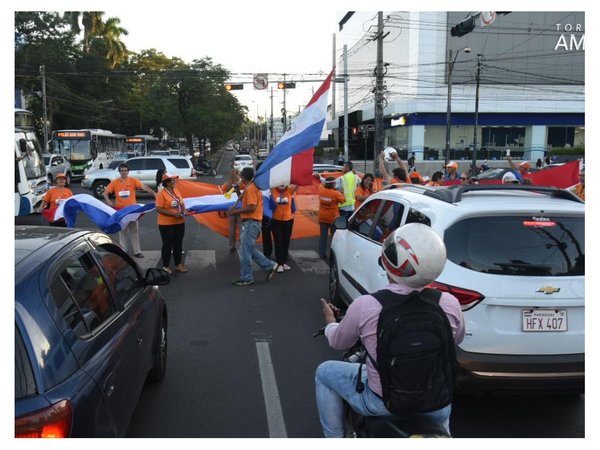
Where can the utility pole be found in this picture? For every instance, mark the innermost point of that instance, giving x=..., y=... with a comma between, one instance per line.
x=378, y=95
x=271, y=141
x=346, y=103
x=45, y=112
x=284, y=112
x=451, y=63
x=474, y=162
x=336, y=135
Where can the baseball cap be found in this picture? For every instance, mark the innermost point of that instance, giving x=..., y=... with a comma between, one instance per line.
x=509, y=178
x=167, y=176
x=60, y=175
x=452, y=164
x=524, y=164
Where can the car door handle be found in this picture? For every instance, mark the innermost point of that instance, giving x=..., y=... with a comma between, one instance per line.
x=109, y=386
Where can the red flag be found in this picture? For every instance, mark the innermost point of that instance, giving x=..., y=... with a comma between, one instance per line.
x=563, y=176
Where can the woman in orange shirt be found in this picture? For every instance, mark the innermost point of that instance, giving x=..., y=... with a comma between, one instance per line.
x=55, y=197
x=282, y=223
x=171, y=223
x=364, y=190
x=329, y=198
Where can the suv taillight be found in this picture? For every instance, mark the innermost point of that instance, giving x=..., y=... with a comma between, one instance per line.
x=51, y=422
x=466, y=297
x=193, y=172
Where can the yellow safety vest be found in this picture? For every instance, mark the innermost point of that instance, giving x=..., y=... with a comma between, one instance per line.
x=349, y=186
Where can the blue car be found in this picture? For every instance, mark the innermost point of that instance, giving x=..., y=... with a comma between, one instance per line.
x=90, y=330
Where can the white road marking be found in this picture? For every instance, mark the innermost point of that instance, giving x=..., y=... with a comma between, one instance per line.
x=200, y=259
x=271, y=393
x=309, y=261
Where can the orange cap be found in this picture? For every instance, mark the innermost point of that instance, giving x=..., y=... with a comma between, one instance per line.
x=452, y=164
x=524, y=164
x=167, y=176
x=60, y=175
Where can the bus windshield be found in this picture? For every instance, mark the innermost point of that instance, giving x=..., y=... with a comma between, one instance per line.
x=73, y=149
x=31, y=156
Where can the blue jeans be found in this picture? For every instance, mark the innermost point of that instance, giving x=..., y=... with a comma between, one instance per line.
x=249, y=232
x=336, y=382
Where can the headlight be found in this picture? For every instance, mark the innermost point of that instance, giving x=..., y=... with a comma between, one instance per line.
x=85, y=177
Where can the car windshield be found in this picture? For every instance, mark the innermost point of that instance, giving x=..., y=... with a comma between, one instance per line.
x=115, y=163
x=491, y=174
x=46, y=160
x=519, y=245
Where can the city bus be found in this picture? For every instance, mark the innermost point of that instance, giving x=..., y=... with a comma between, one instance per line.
x=88, y=149
x=31, y=183
x=142, y=144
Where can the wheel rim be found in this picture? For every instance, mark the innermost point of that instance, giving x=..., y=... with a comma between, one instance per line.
x=333, y=280
x=100, y=190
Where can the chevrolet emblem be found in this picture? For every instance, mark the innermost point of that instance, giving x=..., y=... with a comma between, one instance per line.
x=548, y=289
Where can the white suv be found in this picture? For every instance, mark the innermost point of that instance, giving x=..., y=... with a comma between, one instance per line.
x=143, y=168
x=515, y=262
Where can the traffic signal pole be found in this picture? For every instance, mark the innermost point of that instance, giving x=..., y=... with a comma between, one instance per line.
x=346, y=156
x=379, y=136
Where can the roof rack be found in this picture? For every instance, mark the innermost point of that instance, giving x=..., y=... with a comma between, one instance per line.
x=453, y=194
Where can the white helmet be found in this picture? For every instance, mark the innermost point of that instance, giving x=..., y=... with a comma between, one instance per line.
x=413, y=255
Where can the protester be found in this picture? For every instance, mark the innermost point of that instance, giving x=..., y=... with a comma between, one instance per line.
x=436, y=179
x=338, y=381
x=171, y=222
x=451, y=171
x=465, y=178
x=124, y=190
x=509, y=178
x=411, y=162
x=251, y=213
x=579, y=189
x=400, y=174
x=539, y=163
x=364, y=190
x=347, y=184
x=54, y=197
x=340, y=159
x=521, y=172
x=282, y=223
x=227, y=188
x=329, y=198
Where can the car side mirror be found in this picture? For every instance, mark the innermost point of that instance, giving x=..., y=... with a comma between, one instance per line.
x=341, y=223
x=157, y=277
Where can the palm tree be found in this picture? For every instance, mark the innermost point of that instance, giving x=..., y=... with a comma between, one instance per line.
x=92, y=24
x=116, y=51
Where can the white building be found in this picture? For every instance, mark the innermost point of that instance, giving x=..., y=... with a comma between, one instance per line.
x=531, y=94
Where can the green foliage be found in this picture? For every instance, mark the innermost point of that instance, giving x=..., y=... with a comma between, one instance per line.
x=579, y=151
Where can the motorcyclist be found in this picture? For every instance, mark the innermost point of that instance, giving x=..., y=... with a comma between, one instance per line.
x=412, y=256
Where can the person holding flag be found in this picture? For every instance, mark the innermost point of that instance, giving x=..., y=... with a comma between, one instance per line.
x=124, y=190
x=53, y=198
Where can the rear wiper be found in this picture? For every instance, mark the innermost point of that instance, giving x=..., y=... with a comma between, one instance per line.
x=523, y=267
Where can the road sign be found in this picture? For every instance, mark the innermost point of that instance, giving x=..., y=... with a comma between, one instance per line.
x=261, y=81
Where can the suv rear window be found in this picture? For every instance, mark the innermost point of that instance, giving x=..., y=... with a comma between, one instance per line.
x=180, y=163
x=525, y=246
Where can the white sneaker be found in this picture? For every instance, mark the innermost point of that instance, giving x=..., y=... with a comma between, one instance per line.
x=279, y=269
x=286, y=267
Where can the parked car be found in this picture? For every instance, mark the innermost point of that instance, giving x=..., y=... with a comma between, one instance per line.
x=262, y=153
x=497, y=173
x=56, y=164
x=143, y=168
x=241, y=161
x=515, y=262
x=90, y=330
x=321, y=168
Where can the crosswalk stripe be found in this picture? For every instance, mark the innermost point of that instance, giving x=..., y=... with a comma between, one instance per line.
x=309, y=261
x=201, y=258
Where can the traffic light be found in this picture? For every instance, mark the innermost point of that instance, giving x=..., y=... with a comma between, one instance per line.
x=234, y=86
x=286, y=85
x=354, y=131
x=463, y=27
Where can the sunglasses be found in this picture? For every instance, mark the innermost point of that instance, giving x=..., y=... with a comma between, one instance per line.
x=463, y=178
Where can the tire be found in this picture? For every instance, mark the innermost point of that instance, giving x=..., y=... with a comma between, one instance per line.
x=50, y=180
x=214, y=173
x=159, y=370
x=335, y=296
x=68, y=175
x=98, y=188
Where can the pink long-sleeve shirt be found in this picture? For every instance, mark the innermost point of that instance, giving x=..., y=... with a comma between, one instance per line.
x=361, y=319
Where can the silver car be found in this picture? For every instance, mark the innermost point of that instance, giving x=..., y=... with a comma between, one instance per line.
x=56, y=164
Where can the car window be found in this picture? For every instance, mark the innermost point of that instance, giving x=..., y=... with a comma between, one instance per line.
x=81, y=294
x=415, y=216
x=154, y=164
x=24, y=380
x=389, y=219
x=121, y=274
x=362, y=220
x=518, y=245
x=46, y=160
x=115, y=164
x=135, y=164
x=180, y=163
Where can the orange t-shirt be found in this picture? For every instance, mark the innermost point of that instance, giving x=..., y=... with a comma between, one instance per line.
x=433, y=183
x=361, y=191
x=283, y=200
x=166, y=200
x=54, y=196
x=252, y=196
x=124, y=191
x=328, y=204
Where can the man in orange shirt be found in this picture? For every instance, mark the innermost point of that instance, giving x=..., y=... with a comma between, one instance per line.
x=251, y=214
x=329, y=198
x=124, y=189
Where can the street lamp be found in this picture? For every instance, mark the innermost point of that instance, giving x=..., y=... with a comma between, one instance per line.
x=449, y=106
x=474, y=162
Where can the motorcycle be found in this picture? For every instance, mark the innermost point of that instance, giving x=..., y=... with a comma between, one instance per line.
x=205, y=167
x=394, y=426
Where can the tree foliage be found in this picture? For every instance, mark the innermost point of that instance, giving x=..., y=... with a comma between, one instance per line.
x=94, y=81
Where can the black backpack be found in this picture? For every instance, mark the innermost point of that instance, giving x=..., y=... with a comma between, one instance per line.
x=416, y=354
